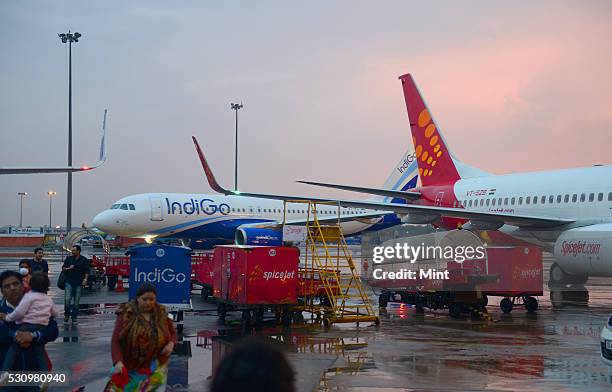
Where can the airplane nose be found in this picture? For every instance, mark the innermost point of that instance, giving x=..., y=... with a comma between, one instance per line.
x=102, y=221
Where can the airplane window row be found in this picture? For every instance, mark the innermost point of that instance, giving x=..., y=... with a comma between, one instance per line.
x=292, y=211
x=130, y=207
x=533, y=200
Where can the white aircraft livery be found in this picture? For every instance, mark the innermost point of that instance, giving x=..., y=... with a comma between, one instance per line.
x=217, y=219
x=62, y=169
x=569, y=211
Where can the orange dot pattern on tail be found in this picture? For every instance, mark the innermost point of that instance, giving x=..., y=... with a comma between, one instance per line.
x=430, y=150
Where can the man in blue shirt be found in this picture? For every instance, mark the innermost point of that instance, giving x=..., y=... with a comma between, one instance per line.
x=38, y=263
x=76, y=269
x=11, y=286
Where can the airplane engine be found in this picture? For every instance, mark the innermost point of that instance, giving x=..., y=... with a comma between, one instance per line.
x=259, y=236
x=585, y=251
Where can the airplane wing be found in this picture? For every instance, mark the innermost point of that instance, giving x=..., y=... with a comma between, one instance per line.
x=62, y=169
x=526, y=221
x=408, y=195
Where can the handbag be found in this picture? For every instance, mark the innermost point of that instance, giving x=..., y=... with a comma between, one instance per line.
x=61, y=281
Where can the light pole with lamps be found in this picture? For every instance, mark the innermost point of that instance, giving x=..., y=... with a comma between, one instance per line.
x=21, y=195
x=70, y=38
x=235, y=107
x=51, y=194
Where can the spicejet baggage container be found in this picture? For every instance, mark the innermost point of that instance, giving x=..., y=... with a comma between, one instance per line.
x=256, y=275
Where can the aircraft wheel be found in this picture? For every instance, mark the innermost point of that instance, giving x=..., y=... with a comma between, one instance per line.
x=557, y=299
x=506, y=305
x=531, y=304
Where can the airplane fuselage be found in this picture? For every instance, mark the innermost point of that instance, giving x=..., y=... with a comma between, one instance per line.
x=194, y=216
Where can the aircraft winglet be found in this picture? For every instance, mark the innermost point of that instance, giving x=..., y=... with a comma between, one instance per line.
x=63, y=169
x=212, y=181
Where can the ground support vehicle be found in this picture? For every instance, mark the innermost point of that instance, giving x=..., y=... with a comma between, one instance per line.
x=511, y=272
x=256, y=279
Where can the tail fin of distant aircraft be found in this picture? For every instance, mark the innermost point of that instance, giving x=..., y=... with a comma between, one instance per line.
x=436, y=164
x=403, y=177
x=397, y=187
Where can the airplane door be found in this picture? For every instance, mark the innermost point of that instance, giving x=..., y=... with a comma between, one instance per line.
x=156, y=208
x=439, y=197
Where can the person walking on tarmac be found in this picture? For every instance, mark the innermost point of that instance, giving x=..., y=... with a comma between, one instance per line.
x=143, y=339
x=75, y=268
x=38, y=263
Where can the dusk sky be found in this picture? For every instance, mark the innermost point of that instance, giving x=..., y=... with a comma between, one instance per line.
x=514, y=86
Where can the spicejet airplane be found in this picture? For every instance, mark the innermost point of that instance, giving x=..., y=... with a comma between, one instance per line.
x=567, y=211
x=215, y=219
x=64, y=169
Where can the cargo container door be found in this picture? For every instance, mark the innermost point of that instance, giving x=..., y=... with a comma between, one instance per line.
x=156, y=208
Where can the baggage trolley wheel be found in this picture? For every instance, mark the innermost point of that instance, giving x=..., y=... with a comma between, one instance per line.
x=298, y=318
x=112, y=282
x=221, y=311
x=246, y=317
x=506, y=305
x=286, y=318
x=259, y=316
x=383, y=300
x=454, y=310
x=204, y=293
x=531, y=304
x=326, y=322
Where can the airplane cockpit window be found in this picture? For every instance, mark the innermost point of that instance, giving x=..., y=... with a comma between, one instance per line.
x=132, y=207
x=124, y=206
x=115, y=206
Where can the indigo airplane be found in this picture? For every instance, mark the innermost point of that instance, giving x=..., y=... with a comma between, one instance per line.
x=216, y=219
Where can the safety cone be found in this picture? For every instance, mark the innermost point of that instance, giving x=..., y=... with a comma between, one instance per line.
x=120, y=288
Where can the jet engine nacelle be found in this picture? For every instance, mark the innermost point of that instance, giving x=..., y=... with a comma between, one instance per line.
x=585, y=250
x=259, y=236
x=419, y=219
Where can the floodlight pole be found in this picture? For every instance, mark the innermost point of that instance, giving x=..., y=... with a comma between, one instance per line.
x=236, y=107
x=70, y=38
x=21, y=195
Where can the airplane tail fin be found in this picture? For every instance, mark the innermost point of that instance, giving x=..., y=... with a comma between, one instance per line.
x=436, y=164
x=403, y=177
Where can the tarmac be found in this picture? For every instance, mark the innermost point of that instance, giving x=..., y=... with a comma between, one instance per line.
x=553, y=349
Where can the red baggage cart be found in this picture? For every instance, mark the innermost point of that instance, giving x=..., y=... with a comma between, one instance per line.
x=254, y=278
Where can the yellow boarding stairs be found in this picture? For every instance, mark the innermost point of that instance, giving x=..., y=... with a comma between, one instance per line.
x=328, y=263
